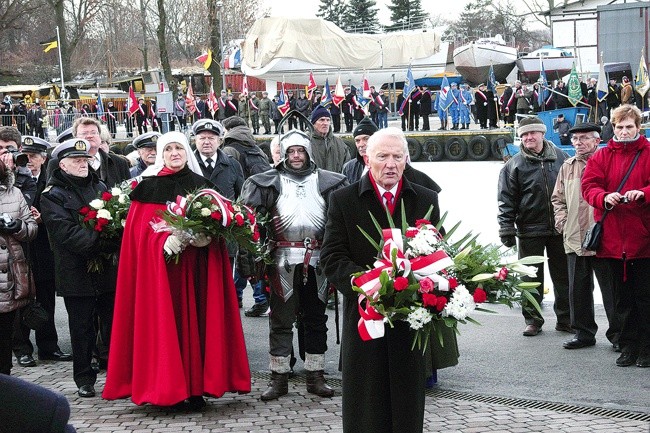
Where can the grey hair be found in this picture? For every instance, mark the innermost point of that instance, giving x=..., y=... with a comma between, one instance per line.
x=390, y=132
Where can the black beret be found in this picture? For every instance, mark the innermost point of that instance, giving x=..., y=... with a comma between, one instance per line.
x=585, y=127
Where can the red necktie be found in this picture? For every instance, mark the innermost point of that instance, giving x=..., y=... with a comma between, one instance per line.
x=388, y=197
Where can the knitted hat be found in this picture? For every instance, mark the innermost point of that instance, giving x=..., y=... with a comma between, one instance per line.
x=319, y=112
x=531, y=124
x=365, y=127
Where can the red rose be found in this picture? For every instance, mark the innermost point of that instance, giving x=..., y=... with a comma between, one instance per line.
x=134, y=184
x=216, y=215
x=426, y=285
x=480, y=296
x=410, y=233
x=84, y=210
x=256, y=236
x=429, y=299
x=106, y=196
x=453, y=283
x=440, y=303
x=422, y=222
x=401, y=283
x=502, y=274
x=91, y=214
x=251, y=217
x=239, y=219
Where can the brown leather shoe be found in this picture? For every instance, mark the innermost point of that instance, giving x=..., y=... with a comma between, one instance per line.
x=532, y=330
x=316, y=384
x=278, y=386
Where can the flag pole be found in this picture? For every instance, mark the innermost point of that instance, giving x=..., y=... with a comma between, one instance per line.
x=58, y=44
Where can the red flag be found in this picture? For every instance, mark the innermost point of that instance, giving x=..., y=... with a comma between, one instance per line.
x=365, y=88
x=132, y=102
x=205, y=59
x=213, y=105
x=312, y=85
x=244, y=87
x=338, y=95
x=283, y=102
x=190, y=103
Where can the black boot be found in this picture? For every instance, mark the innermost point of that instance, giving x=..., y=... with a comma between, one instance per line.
x=455, y=127
x=278, y=386
x=316, y=384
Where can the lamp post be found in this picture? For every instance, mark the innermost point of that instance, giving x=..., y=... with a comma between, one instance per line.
x=219, y=6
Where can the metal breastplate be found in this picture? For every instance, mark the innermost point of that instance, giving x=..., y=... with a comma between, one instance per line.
x=299, y=215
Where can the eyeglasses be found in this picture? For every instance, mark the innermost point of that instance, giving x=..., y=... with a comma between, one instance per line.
x=87, y=134
x=582, y=138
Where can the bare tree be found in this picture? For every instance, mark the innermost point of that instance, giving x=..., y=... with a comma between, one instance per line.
x=161, y=32
x=536, y=7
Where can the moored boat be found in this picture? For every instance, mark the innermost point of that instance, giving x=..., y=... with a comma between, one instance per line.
x=557, y=63
x=473, y=60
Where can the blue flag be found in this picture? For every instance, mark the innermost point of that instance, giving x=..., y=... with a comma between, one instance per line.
x=409, y=84
x=326, y=99
x=445, y=96
x=543, y=91
x=492, y=81
x=100, y=106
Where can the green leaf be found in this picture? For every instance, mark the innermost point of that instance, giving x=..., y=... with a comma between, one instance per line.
x=529, y=297
x=469, y=319
x=482, y=277
x=528, y=285
x=405, y=223
x=453, y=229
x=532, y=260
x=370, y=239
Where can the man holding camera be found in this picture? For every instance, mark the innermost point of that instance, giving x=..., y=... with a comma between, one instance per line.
x=17, y=162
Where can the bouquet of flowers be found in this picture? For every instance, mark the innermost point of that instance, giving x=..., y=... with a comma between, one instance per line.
x=427, y=281
x=206, y=213
x=106, y=215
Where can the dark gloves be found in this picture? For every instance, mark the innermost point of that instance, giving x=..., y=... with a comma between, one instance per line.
x=508, y=241
x=109, y=246
x=10, y=228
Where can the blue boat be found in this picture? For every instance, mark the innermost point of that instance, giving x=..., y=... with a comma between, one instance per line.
x=434, y=81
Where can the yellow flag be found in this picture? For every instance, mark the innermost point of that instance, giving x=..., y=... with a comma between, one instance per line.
x=49, y=45
x=208, y=61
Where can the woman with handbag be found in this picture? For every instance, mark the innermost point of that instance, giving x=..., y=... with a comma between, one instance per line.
x=17, y=226
x=616, y=182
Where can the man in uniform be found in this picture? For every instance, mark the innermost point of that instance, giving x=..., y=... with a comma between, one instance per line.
x=146, y=147
x=295, y=193
x=141, y=116
x=265, y=112
x=454, y=107
x=465, y=103
x=111, y=118
x=482, y=103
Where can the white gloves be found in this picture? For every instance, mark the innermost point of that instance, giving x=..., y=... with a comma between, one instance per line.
x=200, y=240
x=173, y=245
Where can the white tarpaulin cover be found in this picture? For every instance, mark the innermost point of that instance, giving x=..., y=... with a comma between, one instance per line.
x=322, y=42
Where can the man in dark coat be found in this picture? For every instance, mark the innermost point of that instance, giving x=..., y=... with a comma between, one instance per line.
x=141, y=116
x=72, y=186
x=387, y=394
x=42, y=263
x=111, y=118
x=526, y=183
x=347, y=107
x=425, y=108
x=482, y=103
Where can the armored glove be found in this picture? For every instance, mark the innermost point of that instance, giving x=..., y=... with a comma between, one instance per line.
x=173, y=245
x=508, y=241
x=200, y=240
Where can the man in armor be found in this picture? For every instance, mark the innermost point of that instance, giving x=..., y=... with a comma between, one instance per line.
x=294, y=194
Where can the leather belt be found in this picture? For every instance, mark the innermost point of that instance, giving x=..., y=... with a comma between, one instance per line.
x=309, y=245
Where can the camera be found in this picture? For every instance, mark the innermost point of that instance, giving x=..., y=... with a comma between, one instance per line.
x=20, y=159
x=624, y=199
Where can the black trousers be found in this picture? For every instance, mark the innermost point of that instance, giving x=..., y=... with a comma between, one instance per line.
x=6, y=326
x=425, y=122
x=81, y=311
x=631, y=289
x=581, y=297
x=336, y=123
x=305, y=304
x=349, y=121
x=47, y=339
x=558, y=268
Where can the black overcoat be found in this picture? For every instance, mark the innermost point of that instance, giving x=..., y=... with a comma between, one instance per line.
x=383, y=379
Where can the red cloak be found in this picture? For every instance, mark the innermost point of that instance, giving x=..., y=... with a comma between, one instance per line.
x=176, y=330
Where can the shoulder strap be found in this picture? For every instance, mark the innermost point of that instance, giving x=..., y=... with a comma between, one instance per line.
x=627, y=175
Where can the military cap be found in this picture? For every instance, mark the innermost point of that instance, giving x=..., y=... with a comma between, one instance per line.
x=147, y=139
x=585, y=127
x=74, y=147
x=207, y=125
x=34, y=144
x=65, y=135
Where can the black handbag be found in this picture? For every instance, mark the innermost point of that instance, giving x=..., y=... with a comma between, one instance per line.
x=34, y=315
x=594, y=235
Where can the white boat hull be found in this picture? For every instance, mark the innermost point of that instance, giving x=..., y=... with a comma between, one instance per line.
x=554, y=67
x=473, y=61
x=297, y=71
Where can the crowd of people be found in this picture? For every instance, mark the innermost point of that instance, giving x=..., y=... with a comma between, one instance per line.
x=169, y=333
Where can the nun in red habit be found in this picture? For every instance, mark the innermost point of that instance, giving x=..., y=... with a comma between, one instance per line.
x=177, y=333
